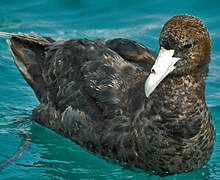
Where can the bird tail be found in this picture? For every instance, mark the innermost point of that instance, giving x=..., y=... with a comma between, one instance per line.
x=28, y=53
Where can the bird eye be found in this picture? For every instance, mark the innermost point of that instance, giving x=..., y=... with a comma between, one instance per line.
x=188, y=46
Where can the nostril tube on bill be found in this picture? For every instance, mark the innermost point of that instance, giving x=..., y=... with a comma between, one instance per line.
x=153, y=71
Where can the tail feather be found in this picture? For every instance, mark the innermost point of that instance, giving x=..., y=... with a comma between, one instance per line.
x=32, y=37
x=28, y=51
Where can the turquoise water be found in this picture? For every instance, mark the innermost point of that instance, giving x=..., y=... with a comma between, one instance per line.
x=39, y=153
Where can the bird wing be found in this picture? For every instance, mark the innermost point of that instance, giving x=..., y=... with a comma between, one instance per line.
x=97, y=73
x=132, y=51
x=94, y=70
x=79, y=83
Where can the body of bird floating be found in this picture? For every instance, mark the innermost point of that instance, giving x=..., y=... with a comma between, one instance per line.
x=108, y=97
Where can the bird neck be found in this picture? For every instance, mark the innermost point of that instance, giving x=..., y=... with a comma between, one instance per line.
x=180, y=90
x=179, y=105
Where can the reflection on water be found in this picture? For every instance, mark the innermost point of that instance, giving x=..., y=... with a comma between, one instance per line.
x=25, y=145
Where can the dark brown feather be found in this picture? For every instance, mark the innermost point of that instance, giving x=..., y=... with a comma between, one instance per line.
x=93, y=93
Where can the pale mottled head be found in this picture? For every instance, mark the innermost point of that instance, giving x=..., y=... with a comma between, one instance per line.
x=185, y=48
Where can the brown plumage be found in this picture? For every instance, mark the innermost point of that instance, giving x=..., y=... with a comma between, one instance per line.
x=92, y=91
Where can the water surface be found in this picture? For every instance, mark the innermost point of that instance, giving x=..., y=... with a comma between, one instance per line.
x=50, y=156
